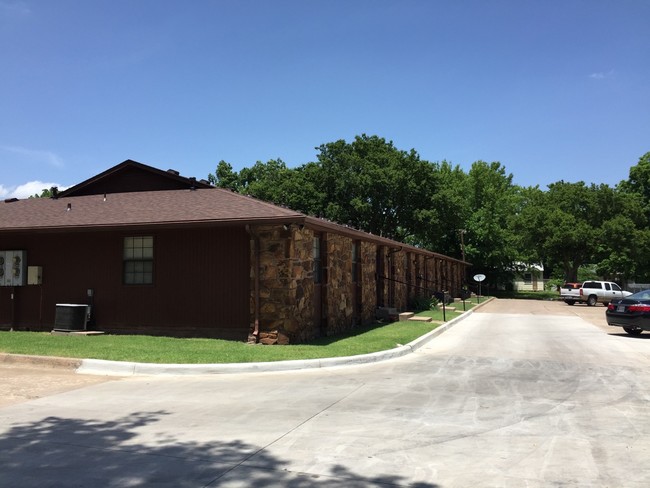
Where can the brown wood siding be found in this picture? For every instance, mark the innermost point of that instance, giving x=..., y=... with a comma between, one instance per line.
x=201, y=282
x=130, y=180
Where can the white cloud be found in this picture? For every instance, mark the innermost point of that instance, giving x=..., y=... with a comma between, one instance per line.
x=9, y=8
x=600, y=75
x=35, y=155
x=27, y=190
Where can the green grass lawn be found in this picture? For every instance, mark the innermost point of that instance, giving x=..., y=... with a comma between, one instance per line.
x=168, y=350
x=529, y=295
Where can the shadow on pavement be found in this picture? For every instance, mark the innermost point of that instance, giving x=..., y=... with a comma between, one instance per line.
x=644, y=336
x=59, y=451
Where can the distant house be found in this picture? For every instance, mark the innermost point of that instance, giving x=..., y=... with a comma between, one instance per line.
x=157, y=253
x=531, y=278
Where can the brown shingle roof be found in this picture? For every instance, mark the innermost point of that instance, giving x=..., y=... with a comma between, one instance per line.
x=139, y=208
x=211, y=206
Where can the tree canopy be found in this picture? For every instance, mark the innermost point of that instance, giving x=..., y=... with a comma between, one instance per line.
x=479, y=215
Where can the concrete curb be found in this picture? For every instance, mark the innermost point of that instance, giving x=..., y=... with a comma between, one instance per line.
x=123, y=368
x=41, y=361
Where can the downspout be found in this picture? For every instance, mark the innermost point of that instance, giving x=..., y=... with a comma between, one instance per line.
x=256, y=287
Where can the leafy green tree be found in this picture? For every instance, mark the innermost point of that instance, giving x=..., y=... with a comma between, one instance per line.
x=481, y=215
x=623, y=238
x=490, y=243
x=271, y=181
x=46, y=193
x=624, y=249
x=302, y=190
x=618, y=236
x=442, y=225
x=371, y=185
x=264, y=180
x=573, y=224
x=639, y=181
x=225, y=177
x=562, y=226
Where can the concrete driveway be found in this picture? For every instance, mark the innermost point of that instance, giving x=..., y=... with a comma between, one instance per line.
x=518, y=394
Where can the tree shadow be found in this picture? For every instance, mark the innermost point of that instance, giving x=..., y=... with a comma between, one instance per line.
x=357, y=331
x=67, y=452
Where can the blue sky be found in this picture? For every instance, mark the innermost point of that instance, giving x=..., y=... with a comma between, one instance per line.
x=553, y=89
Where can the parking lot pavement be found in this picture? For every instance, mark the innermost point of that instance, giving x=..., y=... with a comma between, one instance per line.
x=593, y=315
x=23, y=379
x=521, y=398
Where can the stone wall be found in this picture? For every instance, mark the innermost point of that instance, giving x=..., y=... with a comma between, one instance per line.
x=392, y=280
x=368, y=282
x=443, y=274
x=287, y=290
x=398, y=277
x=338, y=300
x=286, y=285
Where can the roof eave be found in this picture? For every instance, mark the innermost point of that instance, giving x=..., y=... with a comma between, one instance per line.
x=156, y=225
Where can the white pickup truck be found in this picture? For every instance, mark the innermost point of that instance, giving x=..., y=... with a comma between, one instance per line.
x=592, y=292
x=570, y=292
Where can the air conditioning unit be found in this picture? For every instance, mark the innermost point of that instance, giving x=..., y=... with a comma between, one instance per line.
x=71, y=316
x=14, y=268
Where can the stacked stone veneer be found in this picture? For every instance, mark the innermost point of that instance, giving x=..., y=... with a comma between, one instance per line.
x=287, y=289
x=338, y=296
x=286, y=284
x=368, y=283
x=408, y=275
x=347, y=304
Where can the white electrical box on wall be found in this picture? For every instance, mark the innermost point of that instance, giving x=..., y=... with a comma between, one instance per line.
x=14, y=268
x=34, y=275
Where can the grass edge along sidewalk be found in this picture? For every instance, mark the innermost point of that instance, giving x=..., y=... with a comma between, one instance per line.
x=164, y=350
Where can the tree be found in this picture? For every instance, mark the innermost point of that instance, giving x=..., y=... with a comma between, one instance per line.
x=573, y=224
x=440, y=225
x=490, y=242
x=225, y=177
x=568, y=223
x=639, y=181
x=373, y=186
x=271, y=181
x=622, y=251
x=46, y=193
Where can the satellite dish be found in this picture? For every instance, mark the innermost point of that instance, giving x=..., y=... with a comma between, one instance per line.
x=479, y=277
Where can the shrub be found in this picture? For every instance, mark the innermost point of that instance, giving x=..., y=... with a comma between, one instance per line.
x=421, y=303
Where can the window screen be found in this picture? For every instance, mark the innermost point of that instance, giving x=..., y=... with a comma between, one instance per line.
x=138, y=260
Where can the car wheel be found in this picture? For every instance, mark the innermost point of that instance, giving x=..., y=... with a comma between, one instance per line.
x=592, y=300
x=634, y=331
x=569, y=302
